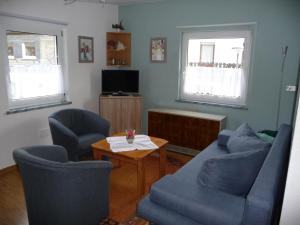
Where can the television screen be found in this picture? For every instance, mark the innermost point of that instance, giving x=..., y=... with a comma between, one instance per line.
x=122, y=81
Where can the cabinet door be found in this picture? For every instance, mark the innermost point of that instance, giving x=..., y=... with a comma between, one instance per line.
x=127, y=114
x=184, y=131
x=138, y=114
x=131, y=114
x=191, y=133
x=156, y=124
x=111, y=110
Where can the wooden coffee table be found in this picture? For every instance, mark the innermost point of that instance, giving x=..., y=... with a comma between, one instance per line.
x=102, y=148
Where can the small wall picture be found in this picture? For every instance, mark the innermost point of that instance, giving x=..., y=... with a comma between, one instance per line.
x=86, y=49
x=158, y=50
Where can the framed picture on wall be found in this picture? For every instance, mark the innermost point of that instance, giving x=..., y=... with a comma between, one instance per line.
x=86, y=49
x=158, y=50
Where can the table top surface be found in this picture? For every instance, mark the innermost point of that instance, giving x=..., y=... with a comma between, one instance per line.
x=104, y=147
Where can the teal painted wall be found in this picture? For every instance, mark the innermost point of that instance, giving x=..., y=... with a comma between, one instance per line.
x=278, y=24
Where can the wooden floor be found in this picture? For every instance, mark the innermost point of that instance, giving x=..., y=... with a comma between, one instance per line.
x=122, y=190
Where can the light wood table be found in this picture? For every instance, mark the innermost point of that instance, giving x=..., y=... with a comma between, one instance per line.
x=137, y=157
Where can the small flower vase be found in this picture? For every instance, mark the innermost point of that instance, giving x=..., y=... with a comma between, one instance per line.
x=130, y=135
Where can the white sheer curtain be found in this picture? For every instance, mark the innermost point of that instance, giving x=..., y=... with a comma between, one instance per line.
x=213, y=83
x=35, y=85
x=31, y=81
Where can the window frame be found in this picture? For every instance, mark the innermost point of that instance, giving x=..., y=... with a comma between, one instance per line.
x=215, y=33
x=41, y=28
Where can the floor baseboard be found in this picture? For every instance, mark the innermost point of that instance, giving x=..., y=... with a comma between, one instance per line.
x=182, y=150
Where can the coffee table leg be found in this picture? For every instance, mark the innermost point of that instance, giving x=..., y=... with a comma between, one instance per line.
x=162, y=161
x=141, y=183
x=97, y=155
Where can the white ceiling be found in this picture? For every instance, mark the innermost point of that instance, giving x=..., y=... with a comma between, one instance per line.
x=120, y=2
x=124, y=2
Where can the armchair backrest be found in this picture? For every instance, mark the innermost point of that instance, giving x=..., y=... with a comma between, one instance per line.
x=81, y=121
x=61, y=192
x=71, y=118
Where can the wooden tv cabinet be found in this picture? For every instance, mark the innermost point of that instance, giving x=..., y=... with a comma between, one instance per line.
x=122, y=112
x=187, y=132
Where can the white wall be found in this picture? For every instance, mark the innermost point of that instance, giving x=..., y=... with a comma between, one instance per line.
x=86, y=19
x=291, y=204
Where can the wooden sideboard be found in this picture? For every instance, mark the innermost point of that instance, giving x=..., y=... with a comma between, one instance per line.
x=188, y=132
x=122, y=112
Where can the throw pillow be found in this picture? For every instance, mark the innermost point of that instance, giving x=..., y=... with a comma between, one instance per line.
x=245, y=139
x=232, y=173
x=245, y=130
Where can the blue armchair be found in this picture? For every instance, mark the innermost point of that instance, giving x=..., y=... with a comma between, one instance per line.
x=60, y=192
x=76, y=130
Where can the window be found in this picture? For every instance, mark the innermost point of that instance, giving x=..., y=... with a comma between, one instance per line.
x=35, y=74
x=28, y=49
x=33, y=63
x=10, y=51
x=207, y=51
x=215, y=67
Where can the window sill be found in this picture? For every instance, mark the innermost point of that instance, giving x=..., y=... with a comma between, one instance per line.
x=213, y=104
x=30, y=108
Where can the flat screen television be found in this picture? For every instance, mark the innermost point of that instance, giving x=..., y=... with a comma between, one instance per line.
x=120, y=82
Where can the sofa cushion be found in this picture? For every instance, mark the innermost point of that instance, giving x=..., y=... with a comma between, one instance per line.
x=189, y=172
x=204, y=205
x=245, y=139
x=232, y=173
x=158, y=214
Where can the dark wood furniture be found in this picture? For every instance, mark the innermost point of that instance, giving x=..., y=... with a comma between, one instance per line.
x=187, y=132
x=137, y=158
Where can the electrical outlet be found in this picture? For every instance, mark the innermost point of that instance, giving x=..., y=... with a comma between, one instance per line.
x=44, y=132
x=291, y=88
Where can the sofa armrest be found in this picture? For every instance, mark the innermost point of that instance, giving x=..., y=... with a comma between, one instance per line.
x=257, y=211
x=224, y=136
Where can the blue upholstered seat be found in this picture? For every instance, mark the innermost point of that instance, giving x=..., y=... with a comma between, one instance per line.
x=178, y=199
x=204, y=205
x=85, y=141
x=61, y=192
x=76, y=130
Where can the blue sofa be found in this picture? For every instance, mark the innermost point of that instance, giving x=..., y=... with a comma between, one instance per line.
x=179, y=200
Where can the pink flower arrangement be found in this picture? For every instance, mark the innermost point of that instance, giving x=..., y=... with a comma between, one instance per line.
x=130, y=135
